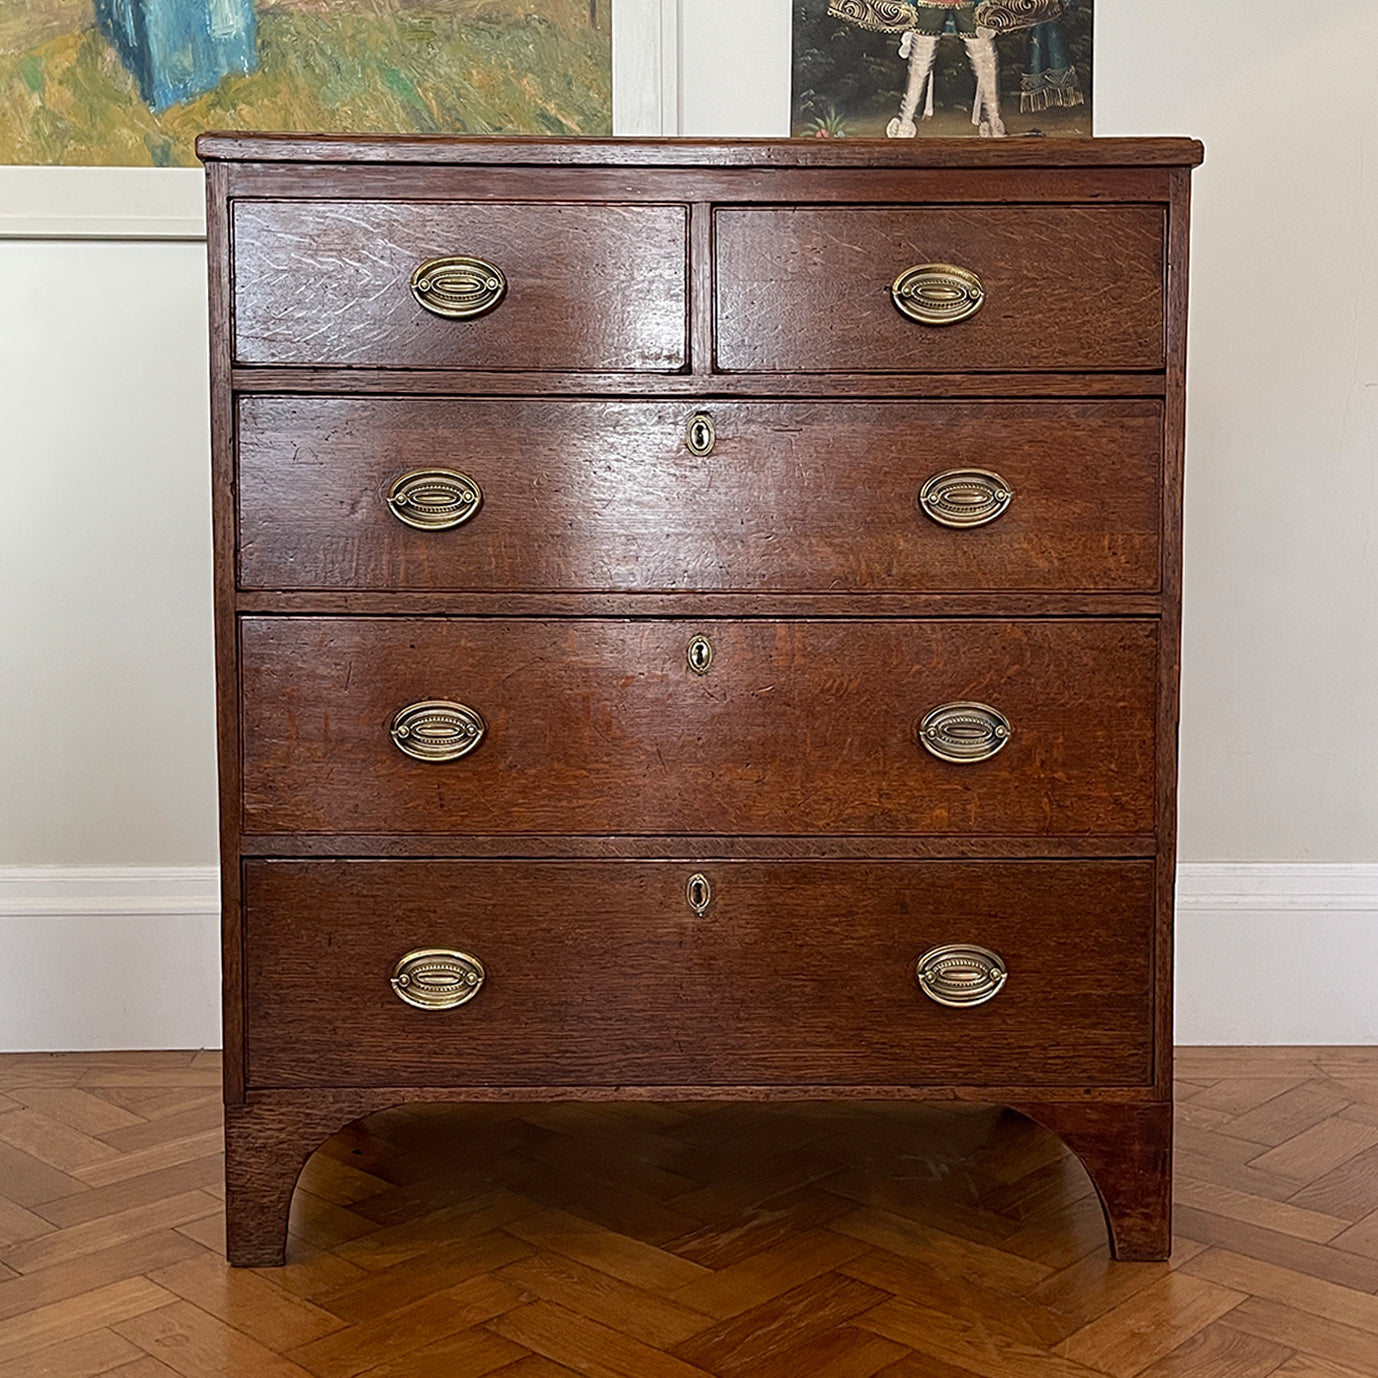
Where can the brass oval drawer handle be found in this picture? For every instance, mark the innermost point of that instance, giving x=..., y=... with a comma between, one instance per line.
x=965, y=497
x=964, y=733
x=961, y=974
x=458, y=288
x=701, y=435
x=437, y=978
x=938, y=293
x=434, y=499
x=437, y=731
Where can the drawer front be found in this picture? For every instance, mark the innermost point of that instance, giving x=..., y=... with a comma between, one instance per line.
x=586, y=287
x=1063, y=287
x=590, y=496
x=601, y=726
x=601, y=973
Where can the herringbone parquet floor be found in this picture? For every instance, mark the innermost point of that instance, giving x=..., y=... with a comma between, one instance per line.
x=642, y=1241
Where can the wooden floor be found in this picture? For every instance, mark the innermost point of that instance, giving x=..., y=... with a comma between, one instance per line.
x=643, y=1241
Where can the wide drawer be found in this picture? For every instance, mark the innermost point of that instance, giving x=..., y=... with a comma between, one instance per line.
x=1061, y=288
x=605, y=974
x=803, y=497
x=603, y=726
x=583, y=288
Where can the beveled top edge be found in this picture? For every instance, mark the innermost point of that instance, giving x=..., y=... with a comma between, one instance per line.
x=750, y=153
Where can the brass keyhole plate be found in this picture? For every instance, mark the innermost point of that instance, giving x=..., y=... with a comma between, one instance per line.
x=699, y=893
x=700, y=655
x=701, y=435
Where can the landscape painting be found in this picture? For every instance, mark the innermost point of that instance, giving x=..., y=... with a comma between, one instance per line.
x=133, y=82
x=915, y=68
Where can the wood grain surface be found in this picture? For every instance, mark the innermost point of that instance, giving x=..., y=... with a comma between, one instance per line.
x=489, y=603
x=605, y=496
x=807, y=288
x=706, y=185
x=599, y=726
x=324, y=381
x=750, y=279
x=602, y=973
x=589, y=287
x=1128, y=1152
x=441, y=150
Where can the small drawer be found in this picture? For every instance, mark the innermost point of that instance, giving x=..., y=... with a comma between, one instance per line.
x=697, y=973
x=814, y=289
x=538, y=495
x=602, y=726
x=544, y=287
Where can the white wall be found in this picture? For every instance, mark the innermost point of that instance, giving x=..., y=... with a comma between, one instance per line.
x=106, y=753
x=1280, y=669
x=107, y=749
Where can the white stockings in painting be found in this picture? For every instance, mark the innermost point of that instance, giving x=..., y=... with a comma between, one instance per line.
x=921, y=50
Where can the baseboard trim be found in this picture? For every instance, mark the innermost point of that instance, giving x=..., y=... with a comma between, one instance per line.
x=121, y=957
x=133, y=891
x=1264, y=952
x=1276, y=887
x=109, y=957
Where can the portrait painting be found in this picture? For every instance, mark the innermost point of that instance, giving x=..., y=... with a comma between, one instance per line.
x=911, y=68
x=133, y=82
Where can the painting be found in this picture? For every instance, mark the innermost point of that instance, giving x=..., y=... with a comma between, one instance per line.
x=131, y=83
x=903, y=68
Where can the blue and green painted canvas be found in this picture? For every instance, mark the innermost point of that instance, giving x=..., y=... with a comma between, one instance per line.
x=132, y=82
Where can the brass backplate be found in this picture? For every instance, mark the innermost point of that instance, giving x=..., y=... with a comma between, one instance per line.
x=437, y=978
x=938, y=293
x=434, y=499
x=965, y=497
x=437, y=730
x=961, y=974
x=964, y=733
x=458, y=288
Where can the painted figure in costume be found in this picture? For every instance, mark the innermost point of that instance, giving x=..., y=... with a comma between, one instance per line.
x=922, y=24
x=1049, y=78
x=920, y=45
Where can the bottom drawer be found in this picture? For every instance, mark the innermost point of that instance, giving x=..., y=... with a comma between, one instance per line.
x=696, y=973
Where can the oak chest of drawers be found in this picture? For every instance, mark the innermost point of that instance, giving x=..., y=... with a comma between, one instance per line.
x=698, y=620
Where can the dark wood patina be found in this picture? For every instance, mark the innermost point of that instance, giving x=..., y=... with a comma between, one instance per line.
x=646, y=283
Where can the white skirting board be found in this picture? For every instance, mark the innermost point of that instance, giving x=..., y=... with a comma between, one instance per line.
x=128, y=957
x=109, y=958
x=1273, y=953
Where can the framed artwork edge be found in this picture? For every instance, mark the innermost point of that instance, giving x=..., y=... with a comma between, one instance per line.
x=136, y=203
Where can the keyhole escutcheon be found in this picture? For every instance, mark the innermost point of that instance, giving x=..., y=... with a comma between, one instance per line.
x=701, y=435
x=700, y=655
x=699, y=893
